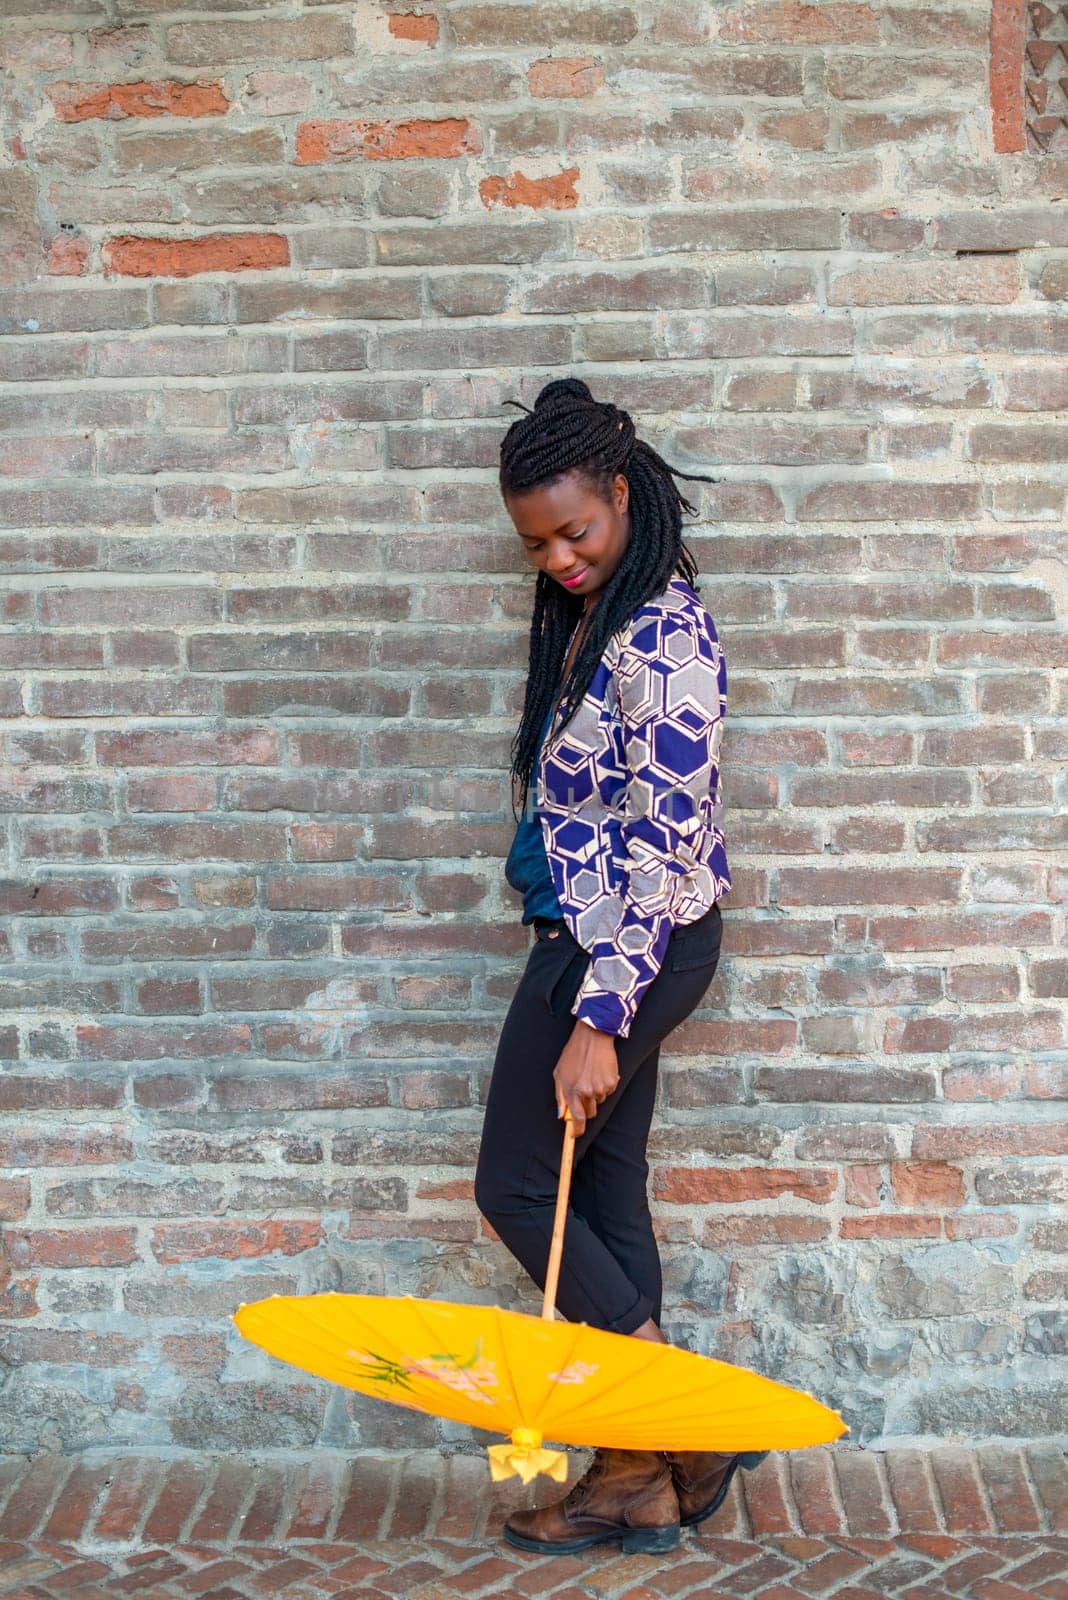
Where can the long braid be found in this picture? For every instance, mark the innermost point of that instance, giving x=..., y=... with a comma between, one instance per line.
x=568, y=430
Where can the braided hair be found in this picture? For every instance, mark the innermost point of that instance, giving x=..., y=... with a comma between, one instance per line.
x=569, y=431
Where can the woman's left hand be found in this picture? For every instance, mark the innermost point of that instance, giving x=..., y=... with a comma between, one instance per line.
x=585, y=1074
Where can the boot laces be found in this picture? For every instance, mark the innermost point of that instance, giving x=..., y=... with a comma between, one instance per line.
x=595, y=1471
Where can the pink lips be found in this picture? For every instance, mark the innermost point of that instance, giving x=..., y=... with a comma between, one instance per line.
x=571, y=582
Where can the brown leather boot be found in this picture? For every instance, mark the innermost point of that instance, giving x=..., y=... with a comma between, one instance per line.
x=702, y=1479
x=623, y=1494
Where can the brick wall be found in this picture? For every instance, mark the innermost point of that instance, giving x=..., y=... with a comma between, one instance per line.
x=270, y=277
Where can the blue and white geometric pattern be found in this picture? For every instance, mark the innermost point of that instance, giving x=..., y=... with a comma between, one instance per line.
x=629, y=800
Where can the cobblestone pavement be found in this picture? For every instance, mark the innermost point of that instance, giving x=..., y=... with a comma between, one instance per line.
x=954, y=1524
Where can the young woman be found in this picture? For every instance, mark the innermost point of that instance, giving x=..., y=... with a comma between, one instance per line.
x=621, y=871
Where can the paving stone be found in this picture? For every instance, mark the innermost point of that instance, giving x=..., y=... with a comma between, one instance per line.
x=415, y=1502
x=912, y=1492
x=814, y=1492
x=824, y=1575
x=1037, y=1570
x=179, y=1492
x=1049, y=1474
x=768, y=1500
x=264, y=1512
x=1003, y=1474
x=368, y=1495
x=864, y=1498
x=234, y=1482
x=32, y=1495
x=960, y=1491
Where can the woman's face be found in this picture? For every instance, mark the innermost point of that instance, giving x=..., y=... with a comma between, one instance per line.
x=570, y=533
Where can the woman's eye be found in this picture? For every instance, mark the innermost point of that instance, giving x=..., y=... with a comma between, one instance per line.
x=570, y=537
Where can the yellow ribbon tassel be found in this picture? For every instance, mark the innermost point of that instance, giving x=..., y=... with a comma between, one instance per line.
x=524, y=1457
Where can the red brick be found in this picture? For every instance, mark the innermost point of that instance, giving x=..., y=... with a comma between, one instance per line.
x=234, y=1240
x=415, y=1499
x=68, y=255
x=565, y=77
x=911, y=1491
x=1017, y=1183
x=181, y=1488
x=123, y=1507
x=890, y=1227
x=791, y=22
x=867, y=1505
x=260, y=1522
x=1050, y=1564
x=59, y=1146
x=863, y=1185
x=341, y=140
x=885, y=230
x=33, y=1495
x=768, y=1499
x=1002, y=1470
x=554, y=193
x=939, y=1141
x=422, y=1091
x=962, y=1576
x=77, y=102
x=463, y=1505
x=702, y=1185
x=999, y=1081
x=317, y=1503
x=127, y=255
x=802, y=130
x=1008, y=22
x=995, y=442
x=74, y=1506
x=71, y=1247
x=959, y=1488
x=913, y=283
x=981, y=1225
x=413, y=25
x=862, y=130
x=938, y=1546
x=927, y=1183
x=778, y=1229
x=823, y=1576
x=995, y=1589
x=998, y=1031
x=369, y=1491
x=813, y=1481
x=882, y=502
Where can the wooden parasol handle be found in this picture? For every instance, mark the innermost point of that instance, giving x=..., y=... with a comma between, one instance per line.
x=556, y=1248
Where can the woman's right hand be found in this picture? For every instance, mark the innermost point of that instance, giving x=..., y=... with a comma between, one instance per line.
x=586, y=1074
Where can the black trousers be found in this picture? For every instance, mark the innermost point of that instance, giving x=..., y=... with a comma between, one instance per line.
x=610, y=1272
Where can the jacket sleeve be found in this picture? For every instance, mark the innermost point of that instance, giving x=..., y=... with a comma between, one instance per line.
x=671, y=688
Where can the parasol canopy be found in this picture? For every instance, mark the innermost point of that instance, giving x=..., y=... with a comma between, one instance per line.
x=535, y=1377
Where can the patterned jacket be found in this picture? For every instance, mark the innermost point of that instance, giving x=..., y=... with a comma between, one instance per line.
x=629, y=800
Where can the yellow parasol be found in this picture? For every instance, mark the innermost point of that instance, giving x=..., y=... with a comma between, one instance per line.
x=534, y=1377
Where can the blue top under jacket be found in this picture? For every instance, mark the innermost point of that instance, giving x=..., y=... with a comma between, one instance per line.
x=527, y=867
